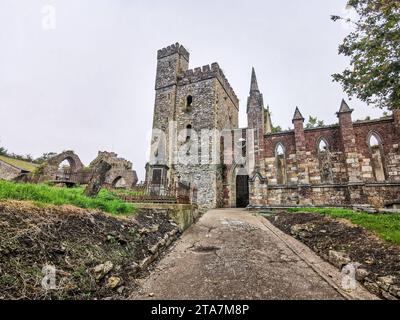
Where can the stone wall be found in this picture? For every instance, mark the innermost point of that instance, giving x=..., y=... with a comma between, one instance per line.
x=8, y=172
x=184, y=215
x=330, y=165
x=189, y=103
x=341, y=176
x=121, y=173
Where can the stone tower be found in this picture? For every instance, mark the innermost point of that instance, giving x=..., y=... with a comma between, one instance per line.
x=192, y=108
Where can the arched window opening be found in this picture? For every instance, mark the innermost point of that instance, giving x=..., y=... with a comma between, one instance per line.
x=189, y=102
x=280, y=150
x=280, y=164
x=324, y=159
x=374, y=141
x=188, y=132
x=375, y=146
x=322, y=146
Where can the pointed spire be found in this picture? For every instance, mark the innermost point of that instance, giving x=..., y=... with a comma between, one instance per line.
x=298, y=115
x=254, y=84
x=268, y=121
x=344, y=107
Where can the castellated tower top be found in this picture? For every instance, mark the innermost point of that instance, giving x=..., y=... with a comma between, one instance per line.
x=172, y=49
x=208, y=72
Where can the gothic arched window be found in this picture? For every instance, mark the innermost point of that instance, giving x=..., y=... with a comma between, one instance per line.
x=280, y=164
x=324, y=160
x=375, y=147
x=322, y=145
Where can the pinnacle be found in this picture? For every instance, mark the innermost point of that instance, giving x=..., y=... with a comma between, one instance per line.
x=254, y=84
x=344, y=107
x=298, y=115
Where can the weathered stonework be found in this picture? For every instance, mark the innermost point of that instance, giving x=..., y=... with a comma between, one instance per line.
x=348, y=177
x=346, y=164
x=191, y=101
x=8, y=172
x=121, y=173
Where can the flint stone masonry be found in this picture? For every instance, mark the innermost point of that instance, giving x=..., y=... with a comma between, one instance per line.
x=213, y=106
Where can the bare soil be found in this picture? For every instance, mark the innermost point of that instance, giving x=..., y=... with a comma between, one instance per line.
x=74, y=241
x=322, y=234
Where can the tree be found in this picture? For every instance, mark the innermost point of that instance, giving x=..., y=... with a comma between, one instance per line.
x=44, y=157
x=3, y=151
x=276, y=129
x=313, y=122
x=374, y=51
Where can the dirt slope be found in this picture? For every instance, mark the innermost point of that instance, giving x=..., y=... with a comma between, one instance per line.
x=95, y=254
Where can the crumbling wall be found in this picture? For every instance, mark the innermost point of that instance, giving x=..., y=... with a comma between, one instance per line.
x=352, y=179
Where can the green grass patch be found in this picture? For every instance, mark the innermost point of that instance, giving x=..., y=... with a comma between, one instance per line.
x=386, y=226
x=43, y=194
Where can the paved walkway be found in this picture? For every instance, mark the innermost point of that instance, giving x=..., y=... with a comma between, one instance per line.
x=234, y=254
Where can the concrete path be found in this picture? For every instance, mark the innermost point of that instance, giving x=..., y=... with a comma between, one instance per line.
x=234, y=254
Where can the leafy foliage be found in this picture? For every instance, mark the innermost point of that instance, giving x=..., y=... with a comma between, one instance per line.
x=313, y=122
x=374, y=51
x=3, y=151
x=46, y=156
x=276, y=129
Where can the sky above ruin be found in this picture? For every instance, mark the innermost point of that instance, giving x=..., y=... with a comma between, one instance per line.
x=84, y=81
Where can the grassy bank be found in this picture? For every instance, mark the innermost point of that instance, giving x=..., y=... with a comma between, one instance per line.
x=386, y=226
x=44, y=194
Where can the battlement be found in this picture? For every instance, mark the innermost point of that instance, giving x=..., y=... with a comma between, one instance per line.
x=172, y=49
x=209, y=72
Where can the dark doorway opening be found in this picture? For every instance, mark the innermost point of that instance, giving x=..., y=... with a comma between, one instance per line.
x=242, y=191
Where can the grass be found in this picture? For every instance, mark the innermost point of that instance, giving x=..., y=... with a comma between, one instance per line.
x=386, y=226
x=24, y=165
x=43, y=194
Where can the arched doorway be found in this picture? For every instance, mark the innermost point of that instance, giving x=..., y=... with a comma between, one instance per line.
x=242, y=191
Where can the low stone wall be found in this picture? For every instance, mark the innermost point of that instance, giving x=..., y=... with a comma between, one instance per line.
x=8, y=172
x=184, y=215
x=334, y=195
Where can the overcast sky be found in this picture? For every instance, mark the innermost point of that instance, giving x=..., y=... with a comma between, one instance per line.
x=88, y=84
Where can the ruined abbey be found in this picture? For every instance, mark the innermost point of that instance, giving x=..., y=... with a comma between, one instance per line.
x=197, y=140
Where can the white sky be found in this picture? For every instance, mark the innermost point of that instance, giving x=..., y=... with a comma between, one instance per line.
x=88, y=85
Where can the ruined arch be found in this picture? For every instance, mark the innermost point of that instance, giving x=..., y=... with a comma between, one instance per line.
x=70, y=156
x=49, y=171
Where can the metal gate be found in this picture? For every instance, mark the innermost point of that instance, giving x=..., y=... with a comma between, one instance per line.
x=242, y=191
